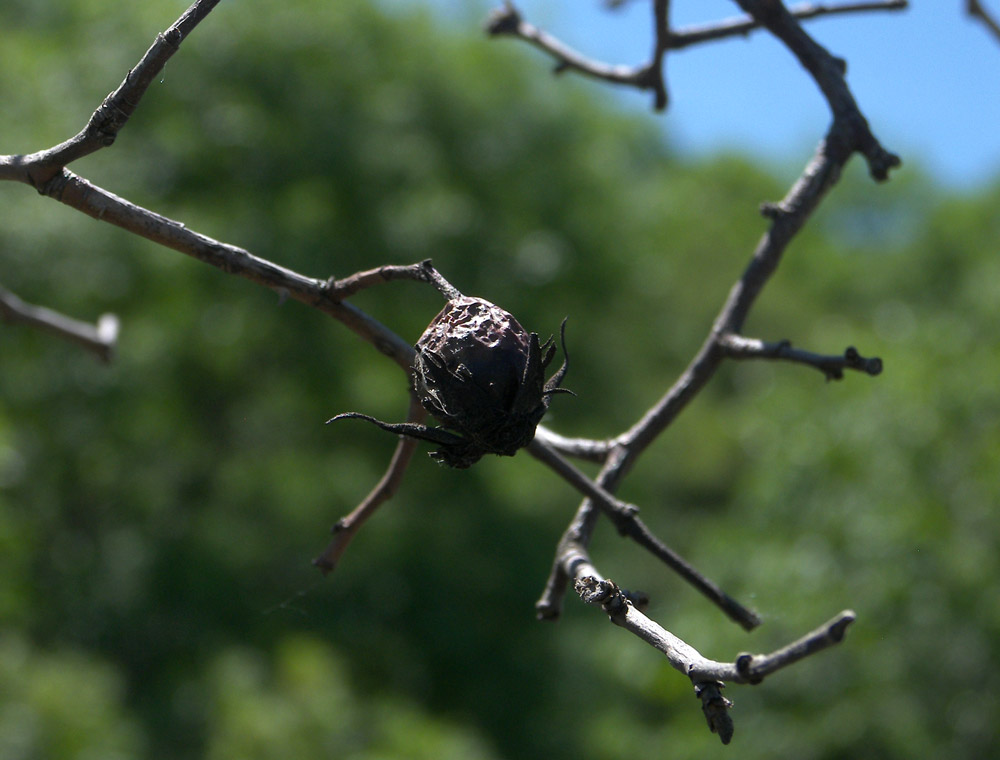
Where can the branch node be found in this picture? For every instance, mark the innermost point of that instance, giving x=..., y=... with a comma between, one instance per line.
x=54, y=186
x=854, y=360
x=880, y=162
x=773, y=211
x=172, y=37
x=744, y=665
x=505, y=20
x=603, y=592
x=594, y=591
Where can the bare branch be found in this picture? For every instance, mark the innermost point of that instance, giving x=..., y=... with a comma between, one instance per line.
x=355, y=283
x=746, y=669
x=99, y=338
x=741, y=26
x=78, y=193
x=587, y=449
x=716, y=708
x=753, y=668
x=828, y=73
x=976, y=10
x=508, y=21
x=618, y=511
x=849, y=133
x=348, y=526
x=45, y=171
x=626, y=520
x=101, y=130
x=819, y=176
x=787, y=217
x=423, y=271
x=571, y=563
x=740, y=347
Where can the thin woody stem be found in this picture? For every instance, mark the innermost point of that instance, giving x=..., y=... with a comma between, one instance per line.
x=849, y=133
x=508, y=21
x=832, y=366
x=708, y=676
x=422, y=271
x=347, y=527
x=100, y=338
x=625, y=518
x=355, y=283
x=976, y=10
x=744, y=25
x=103, y=126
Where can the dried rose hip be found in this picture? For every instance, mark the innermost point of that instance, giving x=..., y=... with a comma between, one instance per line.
x=480, y=374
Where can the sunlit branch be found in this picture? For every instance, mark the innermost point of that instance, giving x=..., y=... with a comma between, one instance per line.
x=422, y=271
x=78, y=193
x=588, y=449
x=849, y=133
x=105, y=123
x=832, y=366
x=745, y=669
x=626, y=520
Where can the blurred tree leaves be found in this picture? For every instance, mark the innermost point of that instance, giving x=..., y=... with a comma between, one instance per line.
x=67, y=704
x=157, y=516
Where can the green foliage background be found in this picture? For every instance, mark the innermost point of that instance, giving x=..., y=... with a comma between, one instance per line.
x=157, y=516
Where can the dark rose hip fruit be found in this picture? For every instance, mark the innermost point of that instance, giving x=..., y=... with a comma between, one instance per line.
x=479, y=373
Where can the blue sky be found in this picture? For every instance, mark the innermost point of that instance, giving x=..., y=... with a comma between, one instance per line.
x=927, y=78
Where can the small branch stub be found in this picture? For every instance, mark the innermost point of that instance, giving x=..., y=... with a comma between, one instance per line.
x=716, y=708
x=100, y=338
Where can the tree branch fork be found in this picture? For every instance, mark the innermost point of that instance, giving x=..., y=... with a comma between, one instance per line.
x=572, y=567
x=708, y=676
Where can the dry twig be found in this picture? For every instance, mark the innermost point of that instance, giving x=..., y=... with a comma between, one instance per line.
x=976, y=11
x=848, y=134
x=508, y=21
x=740, y=347
x=100, y=338
x=708, y=676
x=347, y=527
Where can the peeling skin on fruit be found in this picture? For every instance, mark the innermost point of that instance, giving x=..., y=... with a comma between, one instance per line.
x=479, y=373
x=473, y=341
